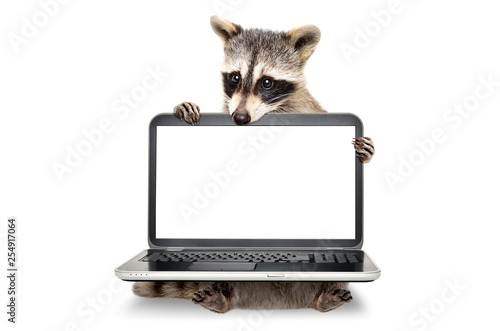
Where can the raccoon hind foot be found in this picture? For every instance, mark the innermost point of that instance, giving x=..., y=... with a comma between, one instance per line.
x=212, y=299
x=330, y=300
x=365, y=149
x=189, y=112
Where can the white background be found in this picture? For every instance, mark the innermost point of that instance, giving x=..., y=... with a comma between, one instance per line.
x=439, y=225
x=255, y=182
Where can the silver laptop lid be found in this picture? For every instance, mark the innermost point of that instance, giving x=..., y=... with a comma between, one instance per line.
x=288, y=180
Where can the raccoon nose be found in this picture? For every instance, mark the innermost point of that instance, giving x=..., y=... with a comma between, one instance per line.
x=241, y=118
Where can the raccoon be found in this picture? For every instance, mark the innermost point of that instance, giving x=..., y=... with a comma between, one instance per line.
x=220, y=297
x=263, y=73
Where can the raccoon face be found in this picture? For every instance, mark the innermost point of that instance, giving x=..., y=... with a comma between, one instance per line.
x=249, y=98
x=262, y=69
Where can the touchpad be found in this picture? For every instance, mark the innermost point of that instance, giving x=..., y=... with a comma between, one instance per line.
x=221, y=266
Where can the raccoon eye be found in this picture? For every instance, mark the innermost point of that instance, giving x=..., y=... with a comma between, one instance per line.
x=267, y=83
x=235, y=79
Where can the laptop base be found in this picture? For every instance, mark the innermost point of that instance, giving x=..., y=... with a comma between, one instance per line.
x=138, y=270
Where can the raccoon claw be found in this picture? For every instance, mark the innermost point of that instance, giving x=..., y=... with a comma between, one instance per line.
x=211, y=299
x=333, y=299
x=365, y=149
x=189, y=112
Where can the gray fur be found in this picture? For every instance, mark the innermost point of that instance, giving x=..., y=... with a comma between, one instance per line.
x=221, y=297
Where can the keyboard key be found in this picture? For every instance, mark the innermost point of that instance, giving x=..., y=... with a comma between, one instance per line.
x=329, y=257
x=340, y=258
x=318, y=258
x=352, y=258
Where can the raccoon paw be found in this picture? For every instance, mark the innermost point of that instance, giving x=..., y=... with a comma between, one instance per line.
x=365, y=149
x=333, y=299
x=189, y=112
x=211, y=299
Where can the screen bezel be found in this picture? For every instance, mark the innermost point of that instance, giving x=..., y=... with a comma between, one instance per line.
x=220, y=119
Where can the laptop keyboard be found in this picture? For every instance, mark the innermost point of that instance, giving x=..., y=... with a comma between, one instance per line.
x=256, y=257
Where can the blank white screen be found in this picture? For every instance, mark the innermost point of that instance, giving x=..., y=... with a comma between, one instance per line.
x=255, y=182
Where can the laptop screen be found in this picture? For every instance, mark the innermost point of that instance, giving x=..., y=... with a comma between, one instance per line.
x=255, y=182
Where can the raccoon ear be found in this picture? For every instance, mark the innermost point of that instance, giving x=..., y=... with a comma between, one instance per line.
x=305, y=39
x=223, y=28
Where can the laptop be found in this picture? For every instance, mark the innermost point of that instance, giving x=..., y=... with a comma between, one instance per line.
x=280, y=199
